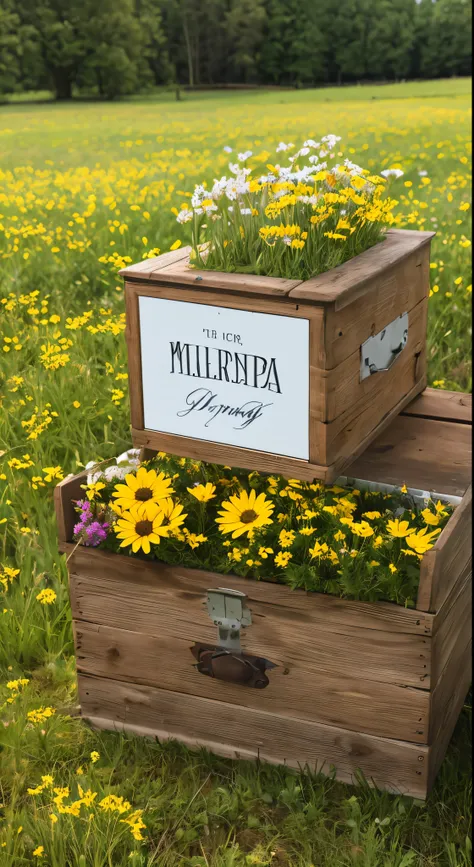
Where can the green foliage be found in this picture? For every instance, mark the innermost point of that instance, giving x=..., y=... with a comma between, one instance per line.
x=112, y=49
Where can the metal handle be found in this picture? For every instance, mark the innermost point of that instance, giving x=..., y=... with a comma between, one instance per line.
x=240, y=668
x=381, y=350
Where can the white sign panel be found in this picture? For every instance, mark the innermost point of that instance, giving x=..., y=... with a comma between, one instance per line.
x=226, y=376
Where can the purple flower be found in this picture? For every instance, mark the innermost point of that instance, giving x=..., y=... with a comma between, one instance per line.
x=95, y=533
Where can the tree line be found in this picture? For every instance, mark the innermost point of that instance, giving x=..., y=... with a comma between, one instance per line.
x=109, y=48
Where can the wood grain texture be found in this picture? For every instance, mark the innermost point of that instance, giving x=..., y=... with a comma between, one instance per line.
x=277, y=306
x=350, y=434
x=448, y=698
x=291, y=628
x=218, y=453
x=420, y=452
x=240, y=732
x=302, y=692
x=348, y=282
x=181, y=274
x=398, y=290
x=340, y=390
x=443, y=566
x=133, y=340
x=453, y=619
x=444, y=405
x=148, y=267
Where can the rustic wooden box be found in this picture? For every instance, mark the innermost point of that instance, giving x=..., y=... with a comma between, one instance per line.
x=361, y=686
x=325, y=414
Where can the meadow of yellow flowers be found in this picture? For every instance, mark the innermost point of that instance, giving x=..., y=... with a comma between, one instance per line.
x=84, y=190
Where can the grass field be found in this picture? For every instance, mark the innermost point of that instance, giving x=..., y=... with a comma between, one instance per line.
x=84, y=188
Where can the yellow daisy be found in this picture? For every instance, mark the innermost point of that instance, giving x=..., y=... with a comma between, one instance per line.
x=142, y=488
x=244, y=512
x=173, y=514
x=138, y=530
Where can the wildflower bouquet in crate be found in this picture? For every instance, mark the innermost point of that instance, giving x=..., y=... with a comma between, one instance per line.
x=295, y=220
x=358, y=544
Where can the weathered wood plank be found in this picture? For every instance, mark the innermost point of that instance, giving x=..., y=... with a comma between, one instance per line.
x=421, y=453
x=242, y=732
x=386, y=297
x=448, y=698
x=346, y=283
x=351, y=433
x=132, y=336
x=442, y=567
x=148, y=267
x=346, y=393
x=319, y=609
x=444, y=405
x=300, y=692
x=181, y=274
x=314, y=631
x=218, y=453
x=449, y=624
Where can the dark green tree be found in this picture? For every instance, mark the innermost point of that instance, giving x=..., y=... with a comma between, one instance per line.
x=294, y=45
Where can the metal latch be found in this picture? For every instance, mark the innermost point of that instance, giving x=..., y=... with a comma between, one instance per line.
x=379, y=352
x=228, y=611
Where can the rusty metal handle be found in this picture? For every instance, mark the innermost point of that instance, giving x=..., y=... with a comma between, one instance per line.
x=239, y=668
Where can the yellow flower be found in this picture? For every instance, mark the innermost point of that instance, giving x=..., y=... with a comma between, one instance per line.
x=46, y=596
x=399, y=529
x=283, y=558
x=40, y=714
x=244, y=512
x=176, y=245
x=53, y=473
x=362, y=528
x=142, y=489
x=319, y=550
x=392, y=568
x=95, y=756
x=194, y=540
x=286, y=538
x=429, y=518
x=422, y=541
x=94, y=490
x=372, y=516
x=39, y=851
x=139, y=529
x=203, y=493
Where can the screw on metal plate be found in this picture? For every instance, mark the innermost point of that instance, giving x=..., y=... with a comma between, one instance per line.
x=228, y=611
x=379, y=352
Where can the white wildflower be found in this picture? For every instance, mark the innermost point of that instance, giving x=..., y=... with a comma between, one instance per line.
x=244, y=156
x=227, y=149
x=284, y=147
x=184, y=216
x=392, y=173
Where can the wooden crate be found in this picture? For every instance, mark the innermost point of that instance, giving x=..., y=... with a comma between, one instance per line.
x=337, y=414
x=370, y=687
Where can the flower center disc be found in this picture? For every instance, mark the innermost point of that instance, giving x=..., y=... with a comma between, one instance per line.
x=143, y=494
x=248, y=516
x=143, y=528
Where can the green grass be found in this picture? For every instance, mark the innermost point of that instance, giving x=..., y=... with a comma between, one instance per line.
x=92, y=181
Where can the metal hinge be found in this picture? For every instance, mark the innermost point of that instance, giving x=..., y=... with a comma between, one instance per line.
x=379, y=352
x=228, y=611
